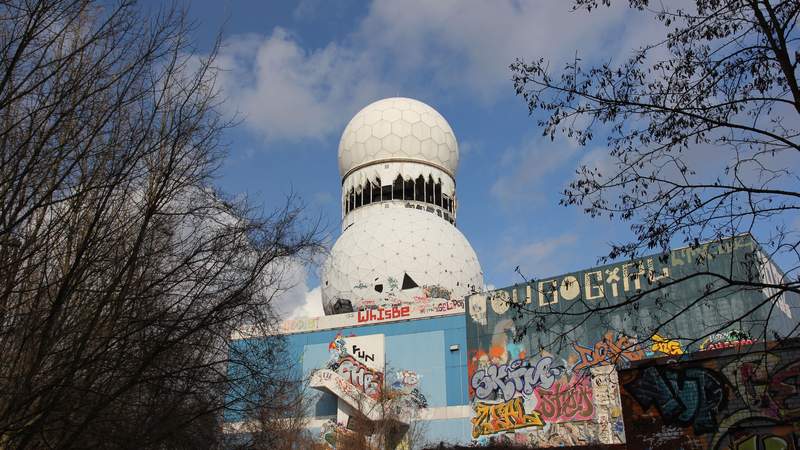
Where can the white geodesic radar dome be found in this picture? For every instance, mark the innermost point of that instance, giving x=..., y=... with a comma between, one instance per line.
x=398, y=129
x=397, y=254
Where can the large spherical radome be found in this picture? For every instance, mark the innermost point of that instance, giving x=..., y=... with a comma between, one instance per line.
x=398, y=129
x=398, y=255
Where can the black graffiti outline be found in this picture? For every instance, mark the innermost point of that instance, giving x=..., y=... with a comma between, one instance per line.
x=667, y=390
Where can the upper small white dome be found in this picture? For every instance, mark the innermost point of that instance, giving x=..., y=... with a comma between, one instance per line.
x=399, y=129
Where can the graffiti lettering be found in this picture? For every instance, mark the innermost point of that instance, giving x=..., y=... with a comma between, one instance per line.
x=506, y=416
x=727, y=344
x=608, y=351
x=666, y=346
x=417, y=398
x=361, y=376
x=381, y=313
x=566, y=402
x=729, y=339
x=594, y=284
x=361, y=354
x=504, y=381
x=685, y=397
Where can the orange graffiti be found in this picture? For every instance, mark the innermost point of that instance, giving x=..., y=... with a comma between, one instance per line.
x=608, y=351
x=493, y=418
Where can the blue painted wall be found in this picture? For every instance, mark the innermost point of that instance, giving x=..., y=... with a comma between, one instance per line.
x=422, y=345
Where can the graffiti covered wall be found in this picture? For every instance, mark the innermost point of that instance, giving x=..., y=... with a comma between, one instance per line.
x=541, y=372
x=359, y=360
x=744, y=398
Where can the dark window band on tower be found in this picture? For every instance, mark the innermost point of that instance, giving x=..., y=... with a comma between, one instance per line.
x=419, y=190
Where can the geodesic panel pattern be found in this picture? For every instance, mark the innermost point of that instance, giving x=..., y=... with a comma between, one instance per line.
x=398, y=128
x=399, y=255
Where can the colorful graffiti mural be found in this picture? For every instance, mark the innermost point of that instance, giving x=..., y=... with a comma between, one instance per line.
x=609, y=350
x=734, y=399
x=359, y=361
x=567, y=401
x=555, y=321
x=491, y=418
x=731, y=339
x=504, y=381
x=406, y=384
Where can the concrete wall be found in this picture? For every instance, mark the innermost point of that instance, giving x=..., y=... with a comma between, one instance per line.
x=422, y=347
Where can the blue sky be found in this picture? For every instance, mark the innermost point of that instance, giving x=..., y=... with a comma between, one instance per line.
x=295, y=73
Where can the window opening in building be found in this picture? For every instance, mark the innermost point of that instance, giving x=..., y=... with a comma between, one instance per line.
x=386, y=192
x=408, y=189
x=397, y=191
x=419, y=189
x=408, y=282
x=366, y=194
x=376, y=191
x=438, y=193
x=429, y=190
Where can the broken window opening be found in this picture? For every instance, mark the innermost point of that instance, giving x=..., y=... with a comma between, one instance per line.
x=419, y=189
x=408, y=282
x=352, y=200
x=376, y=191
x=397, y=191
x=408, y=189
x=429, y=190
x=366, y=194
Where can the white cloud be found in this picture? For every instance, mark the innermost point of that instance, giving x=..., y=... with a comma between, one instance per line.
x=311, y=306
x=284, y=91
x=469, y=44
x=296, y=298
